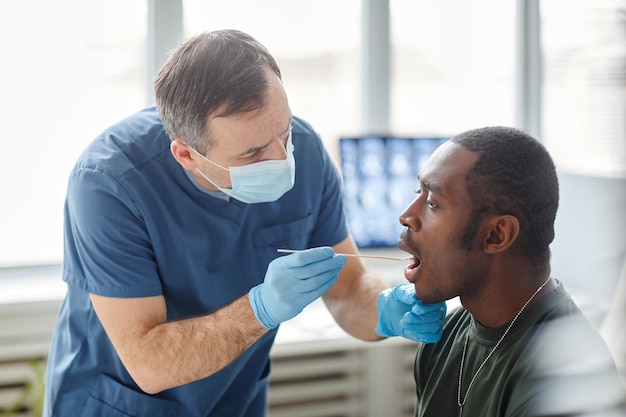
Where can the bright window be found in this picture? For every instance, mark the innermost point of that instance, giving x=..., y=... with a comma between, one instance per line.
x=452, y=65
x=70, y=68
x=584, y=100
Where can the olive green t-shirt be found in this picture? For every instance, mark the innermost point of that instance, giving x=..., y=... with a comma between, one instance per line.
x=552, y=362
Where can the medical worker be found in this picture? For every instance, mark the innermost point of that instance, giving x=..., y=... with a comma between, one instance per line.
x=173, y=218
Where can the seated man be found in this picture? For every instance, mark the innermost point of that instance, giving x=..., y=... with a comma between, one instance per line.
x=480, y=229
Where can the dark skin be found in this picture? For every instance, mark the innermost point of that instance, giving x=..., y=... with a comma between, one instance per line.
x=492, y=280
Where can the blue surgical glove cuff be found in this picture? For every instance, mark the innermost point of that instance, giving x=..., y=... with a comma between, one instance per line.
x=261, y=313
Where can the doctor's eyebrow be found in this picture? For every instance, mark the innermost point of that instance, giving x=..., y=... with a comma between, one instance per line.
x=252, y=151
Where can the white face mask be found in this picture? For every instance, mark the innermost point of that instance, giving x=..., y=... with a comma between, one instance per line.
x=260, y=182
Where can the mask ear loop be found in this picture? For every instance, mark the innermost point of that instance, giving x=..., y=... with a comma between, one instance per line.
x=207, y=159
x=209, y=180
x=214, y=163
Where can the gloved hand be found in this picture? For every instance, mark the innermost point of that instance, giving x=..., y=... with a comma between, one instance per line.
x=400, y=313
x=292, y=282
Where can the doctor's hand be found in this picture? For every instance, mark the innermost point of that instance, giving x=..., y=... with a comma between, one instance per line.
x=400, y=313
x=292, y=282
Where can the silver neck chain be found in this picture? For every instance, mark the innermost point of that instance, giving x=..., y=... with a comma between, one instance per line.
x=462, y=403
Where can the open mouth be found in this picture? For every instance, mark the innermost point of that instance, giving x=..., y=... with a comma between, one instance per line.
x=416, y=263
x=411, y=270
x=405, y=248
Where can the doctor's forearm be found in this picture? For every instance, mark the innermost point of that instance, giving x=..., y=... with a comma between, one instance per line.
x=175, y=353
x=356, y=310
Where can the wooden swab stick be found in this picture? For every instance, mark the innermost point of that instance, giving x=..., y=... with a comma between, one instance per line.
x=389, y=258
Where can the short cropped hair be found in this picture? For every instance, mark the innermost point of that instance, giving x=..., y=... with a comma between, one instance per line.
x=513, y=174
x=219, y=73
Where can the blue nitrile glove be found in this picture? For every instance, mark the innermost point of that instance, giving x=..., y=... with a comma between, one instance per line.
x=292, y=282
x=400, y=313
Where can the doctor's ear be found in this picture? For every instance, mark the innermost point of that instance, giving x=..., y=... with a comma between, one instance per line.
x=183, y=155
x=502, y=232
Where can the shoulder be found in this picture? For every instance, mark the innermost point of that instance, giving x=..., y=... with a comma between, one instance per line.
x=304, y=136
x=566, y=342
x=570, y=364
x=572, y=371
x=560, y=335
x=310, y=152
x=127, y=144
x=302, y=127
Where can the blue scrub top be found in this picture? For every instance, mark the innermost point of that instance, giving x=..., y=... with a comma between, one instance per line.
x=137, y=225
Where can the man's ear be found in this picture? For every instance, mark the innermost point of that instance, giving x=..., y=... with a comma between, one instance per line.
x=183, y=155
x=502, y=232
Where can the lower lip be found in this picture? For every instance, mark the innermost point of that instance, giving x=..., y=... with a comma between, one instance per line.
x=410, y=272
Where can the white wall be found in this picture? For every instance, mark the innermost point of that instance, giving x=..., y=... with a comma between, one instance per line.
x=590, y=244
